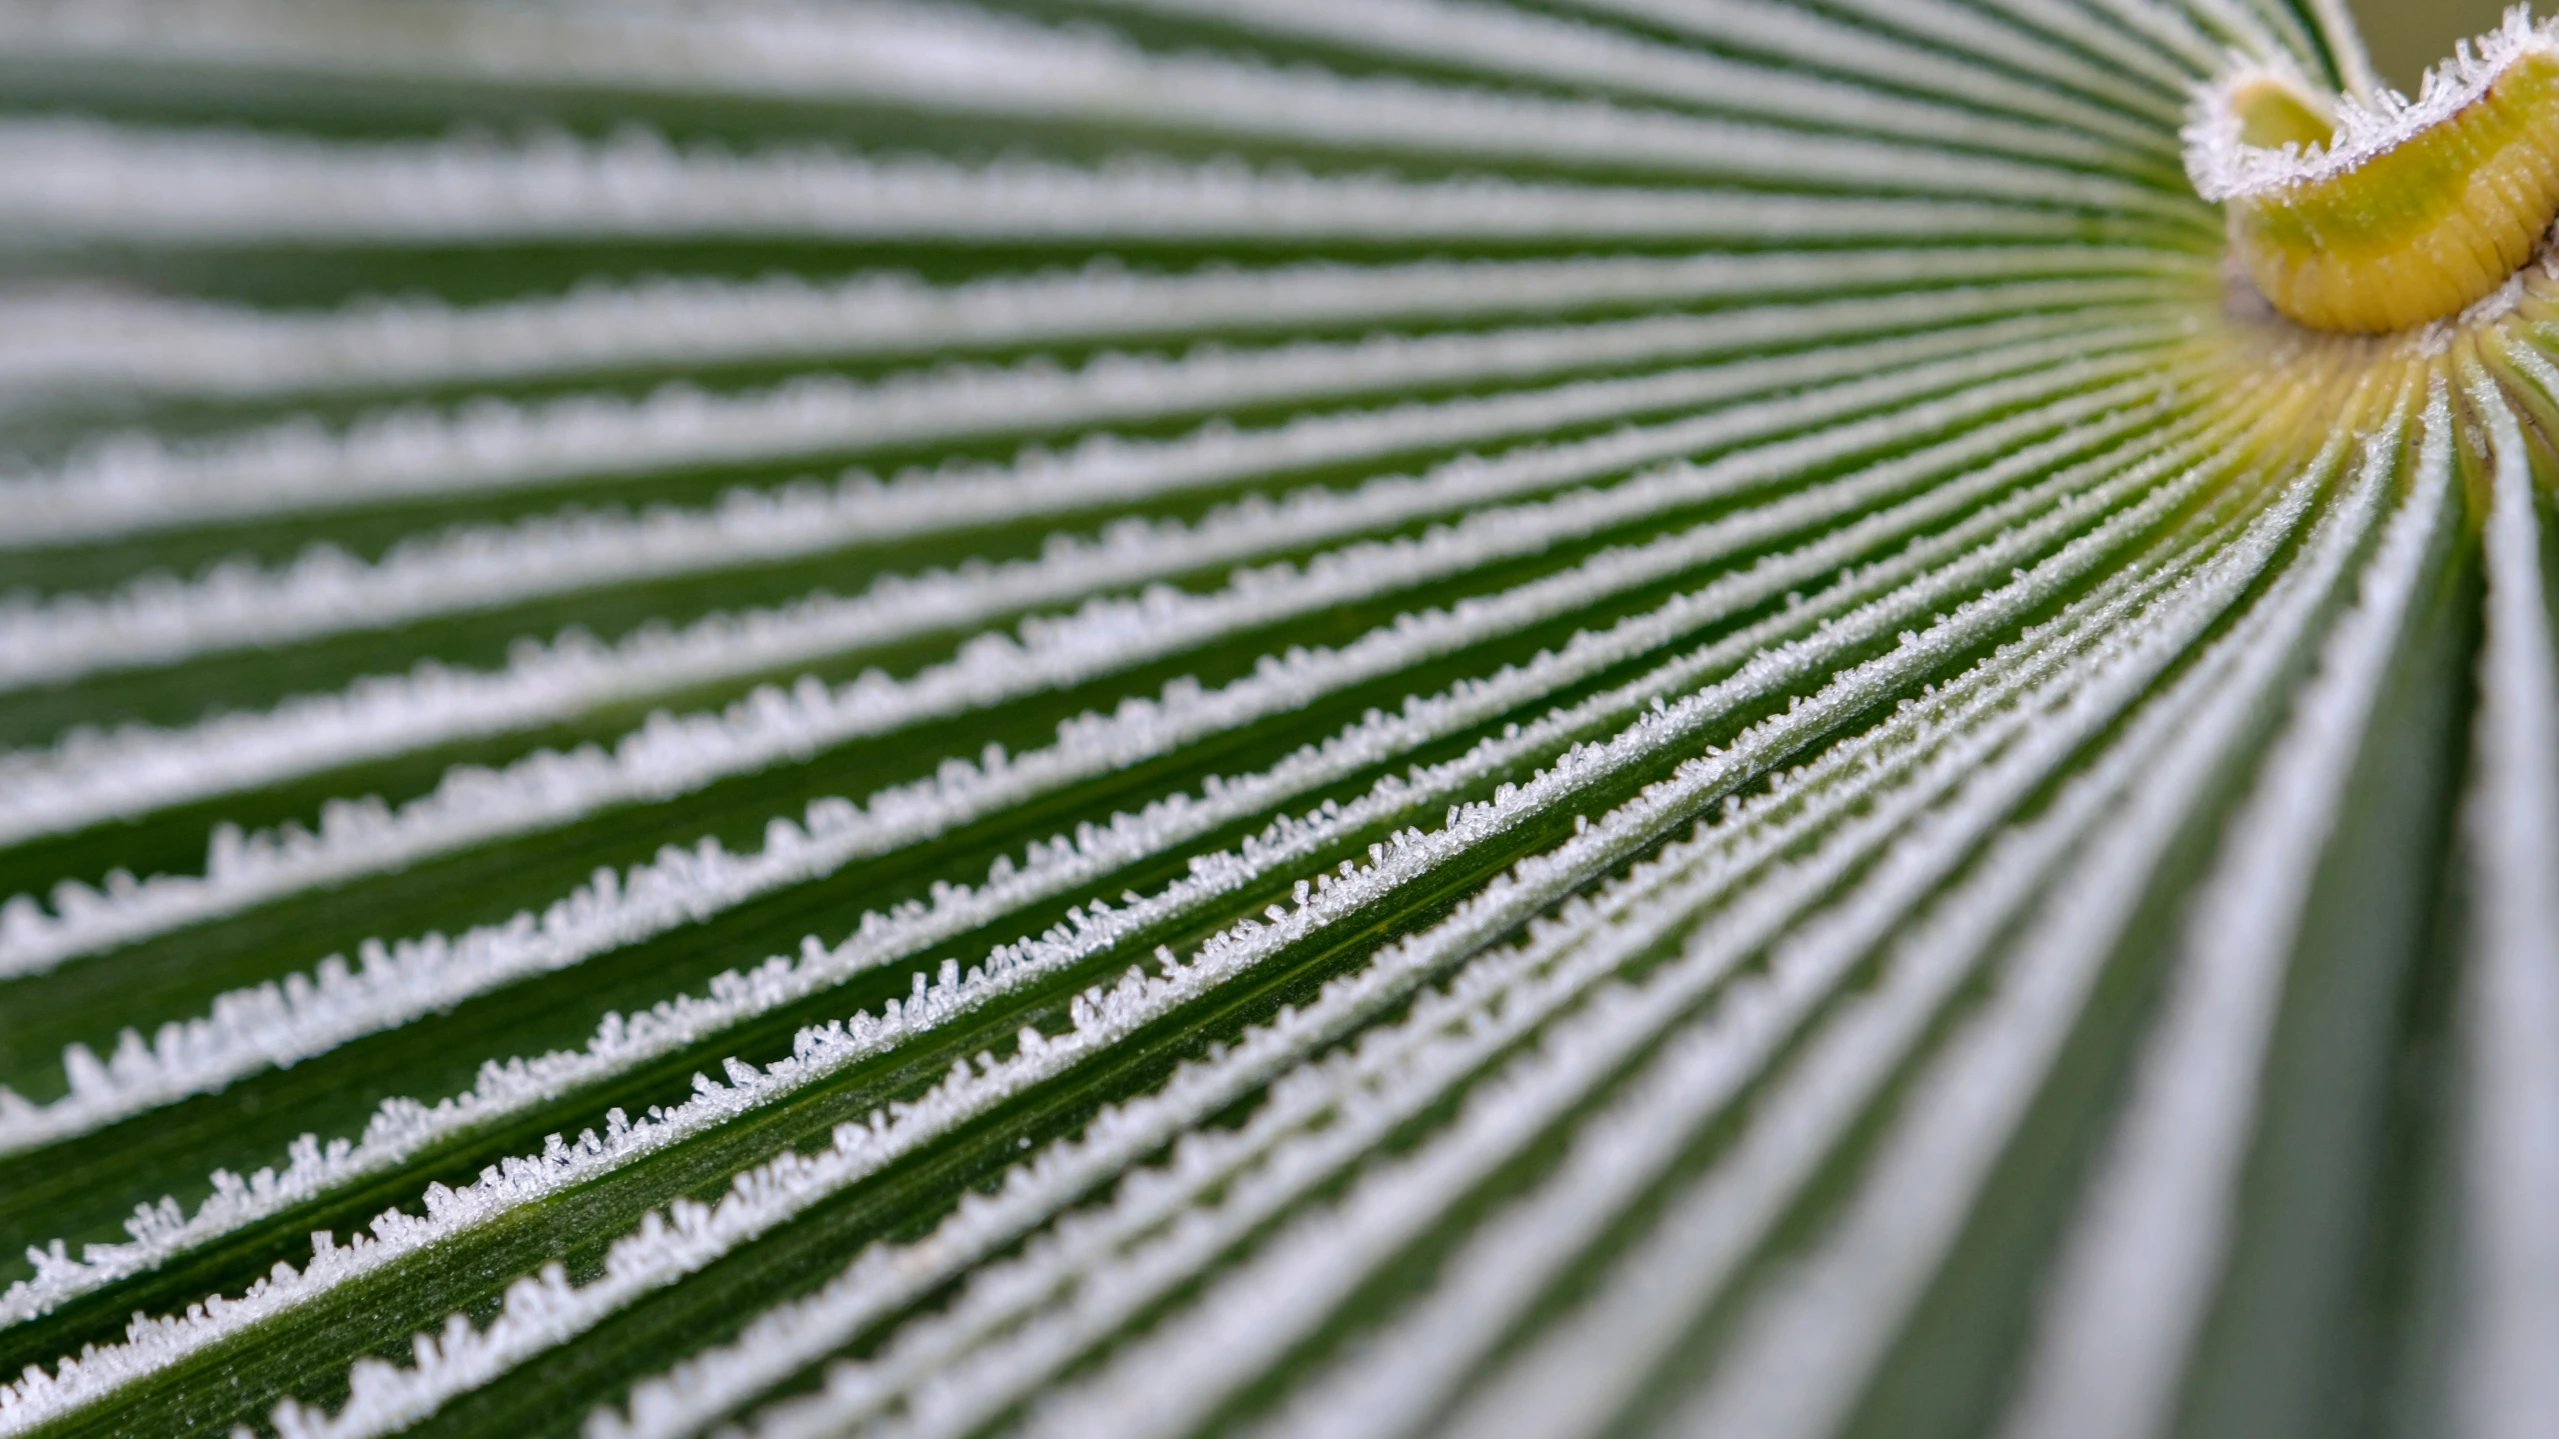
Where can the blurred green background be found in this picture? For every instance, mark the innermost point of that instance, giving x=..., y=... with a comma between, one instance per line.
x=2406, y=36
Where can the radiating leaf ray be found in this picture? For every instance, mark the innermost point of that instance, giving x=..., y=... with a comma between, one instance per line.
x=1762, y=580
x=2510, y=1309
x=61, y=347
x=1809, y=39
x=156, y=622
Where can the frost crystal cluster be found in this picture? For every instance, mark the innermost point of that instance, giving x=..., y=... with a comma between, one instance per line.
x=1334, y=718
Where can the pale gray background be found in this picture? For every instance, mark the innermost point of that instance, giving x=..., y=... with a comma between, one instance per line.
x=2406, y=36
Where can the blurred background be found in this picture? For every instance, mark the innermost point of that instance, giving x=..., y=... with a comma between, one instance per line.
x=2406, y=36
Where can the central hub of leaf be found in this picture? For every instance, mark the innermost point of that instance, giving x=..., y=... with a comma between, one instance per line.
x=2368, y=219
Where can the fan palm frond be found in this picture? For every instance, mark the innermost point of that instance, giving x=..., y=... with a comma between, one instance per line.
x=1280, y=717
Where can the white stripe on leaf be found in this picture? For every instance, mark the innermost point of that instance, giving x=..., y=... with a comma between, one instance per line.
x=1619, y=1152
x=2507, y=1324
x=71, y=183
x=1254, y=1311
x=1833, y=1317
x=1392, y=1380
x=1518, y=45
x=2133, y=1282
x=1620, y=1337
x=73, y=344
x=158, y=620
x=1103, y=1015
x=1812, y=41
x=138, y=485
x=1496, y=986
x=954, y=61
x=669, y=755
x=1980, y=545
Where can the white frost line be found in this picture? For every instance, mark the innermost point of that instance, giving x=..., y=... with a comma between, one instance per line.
x=2177, y=47
x=280, y=1023
x=1656, y=1288
x=1271, y=1299
x=1100, y=1016
x=2138, y=1270
x=1810, y=41
x=1988, y=538
x=2176, y=33
x=2507, y=1326
x=74, y=343
x=1256, y=1314
x=668, y=755
x=159, y=619
x=1487, y=1005
x=954, y=60
x=554, y=1312
x=1495, y=999
x=91, y=777
x=404, y=1127
x=1965, y=29
x=953, y=1382
x=384, y=1398
x=833, y=54
x=1492, y=1002
x=1519, y=46
x=66, y=182
x=1831, y=1319
x=1939, y=737
x=1750, y=834
x=134, y=483
x=1393, y=1379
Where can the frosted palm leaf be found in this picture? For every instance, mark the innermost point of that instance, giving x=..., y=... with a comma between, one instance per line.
x=1277, y=717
